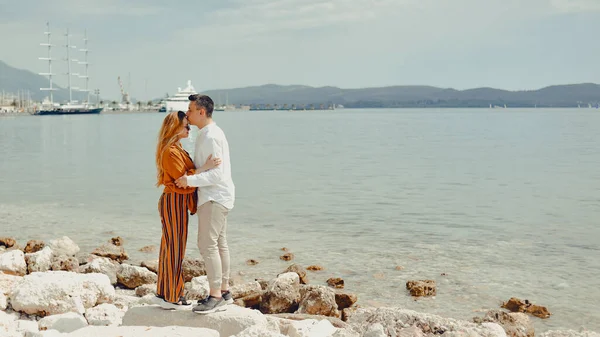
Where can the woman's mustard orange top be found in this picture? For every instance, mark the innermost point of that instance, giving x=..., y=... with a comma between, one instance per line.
x=177, y=162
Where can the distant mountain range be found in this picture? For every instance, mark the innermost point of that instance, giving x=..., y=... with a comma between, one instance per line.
x=13, y=80
x=412, y=96
x=571, y=95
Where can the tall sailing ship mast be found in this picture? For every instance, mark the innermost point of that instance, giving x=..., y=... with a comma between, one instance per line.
x=49, y=59
x=71, y=107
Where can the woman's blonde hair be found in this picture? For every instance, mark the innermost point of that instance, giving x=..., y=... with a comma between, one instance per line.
x=167, y=137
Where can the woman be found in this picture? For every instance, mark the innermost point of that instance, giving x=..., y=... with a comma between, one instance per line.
x=172, y=162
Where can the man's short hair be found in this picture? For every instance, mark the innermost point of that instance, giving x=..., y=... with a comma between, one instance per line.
x=203, y=101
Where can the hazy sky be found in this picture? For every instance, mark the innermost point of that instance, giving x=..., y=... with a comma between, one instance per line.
x=510, y=44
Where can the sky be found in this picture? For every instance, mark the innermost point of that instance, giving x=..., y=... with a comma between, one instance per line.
x=156, y=46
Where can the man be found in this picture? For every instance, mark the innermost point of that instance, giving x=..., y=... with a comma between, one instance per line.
x=216, y=195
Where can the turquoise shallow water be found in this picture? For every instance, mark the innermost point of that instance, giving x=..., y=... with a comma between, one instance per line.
x=505, y=202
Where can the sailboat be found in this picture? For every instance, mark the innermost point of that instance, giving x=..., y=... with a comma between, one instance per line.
x=71, y=107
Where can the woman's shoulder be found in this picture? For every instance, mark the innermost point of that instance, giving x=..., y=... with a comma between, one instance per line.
x=174, y=150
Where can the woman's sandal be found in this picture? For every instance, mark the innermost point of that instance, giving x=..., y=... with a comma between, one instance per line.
x=182, y=304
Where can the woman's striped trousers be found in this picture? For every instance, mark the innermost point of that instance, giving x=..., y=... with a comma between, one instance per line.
x=173, y=209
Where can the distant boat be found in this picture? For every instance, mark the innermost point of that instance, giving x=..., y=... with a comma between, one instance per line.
x=180, y=100
x=70, y=108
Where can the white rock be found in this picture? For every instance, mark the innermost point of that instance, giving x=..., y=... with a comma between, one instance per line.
x=8, y=323
x=63, y=322
x=198, y=288
x=8, y=282
x=134, y=276
x=245, y=289
x=63, y=246
x=569, y=333
x=25, y=326
x=104, y=266
x=282, y=294
x=124, y=302
x=145, y=289
x=347, y=333
x=230, y=322
x=258, y=331
x=58, y=292
x=3, y=301
x=394, y=319
x=47, y=333
x=145, y=331
x=276, y=324
x=39, y=261
x=104, y=315
x=311, y=328
x=499, y=330
x=13, y=262
x=375, y=330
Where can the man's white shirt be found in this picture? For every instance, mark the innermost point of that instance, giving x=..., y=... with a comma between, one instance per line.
x=215, y=184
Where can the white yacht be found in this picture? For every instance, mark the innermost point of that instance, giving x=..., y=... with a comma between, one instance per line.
x=180, y=100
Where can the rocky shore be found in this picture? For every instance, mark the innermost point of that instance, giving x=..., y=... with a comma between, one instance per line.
x=54, y=289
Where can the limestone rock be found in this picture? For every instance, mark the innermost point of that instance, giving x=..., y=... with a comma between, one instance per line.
x=112, y=252
x=104, y=266
x=104, y=315
x=7, y=242
x=13, y=262
x=39, y=261
x=145, y=289
x=515, y=324
x=345, y=300
x=133, y=276
x=258, y=331
x=145, y=331
x=193, y=268
x=229, y=322
x=282, y=295
x=393, y=320
x=151, y=265
x=516, y=305
x=310, y=328
x=63, y=246
x=8, y=282
x=569, y=333
x=421, y=288
x=335, y=282
x=67, y=263
x=66, y=322
x=245, y=289
x=318, y=300
x=34, y=246
x=287, y=257
x=58, y=292
x=197, y=289
x=298, y=270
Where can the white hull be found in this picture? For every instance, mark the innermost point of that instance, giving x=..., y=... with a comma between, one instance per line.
x=180, y=100
x=177, y=105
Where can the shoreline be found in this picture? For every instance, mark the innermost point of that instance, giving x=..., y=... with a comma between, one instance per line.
x=300, y=300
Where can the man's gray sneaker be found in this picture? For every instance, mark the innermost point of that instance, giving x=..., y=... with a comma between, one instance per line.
x=227, y=297
x=209, y=305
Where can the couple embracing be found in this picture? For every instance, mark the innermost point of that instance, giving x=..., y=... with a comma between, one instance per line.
x=203, y=186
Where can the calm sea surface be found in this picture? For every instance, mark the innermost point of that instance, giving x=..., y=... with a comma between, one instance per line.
x=504, y=202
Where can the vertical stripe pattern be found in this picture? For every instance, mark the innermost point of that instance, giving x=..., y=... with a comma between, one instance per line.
x=173, y=209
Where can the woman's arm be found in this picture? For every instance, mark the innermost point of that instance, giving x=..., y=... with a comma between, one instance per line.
x=174, y=164
x=209, y=164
